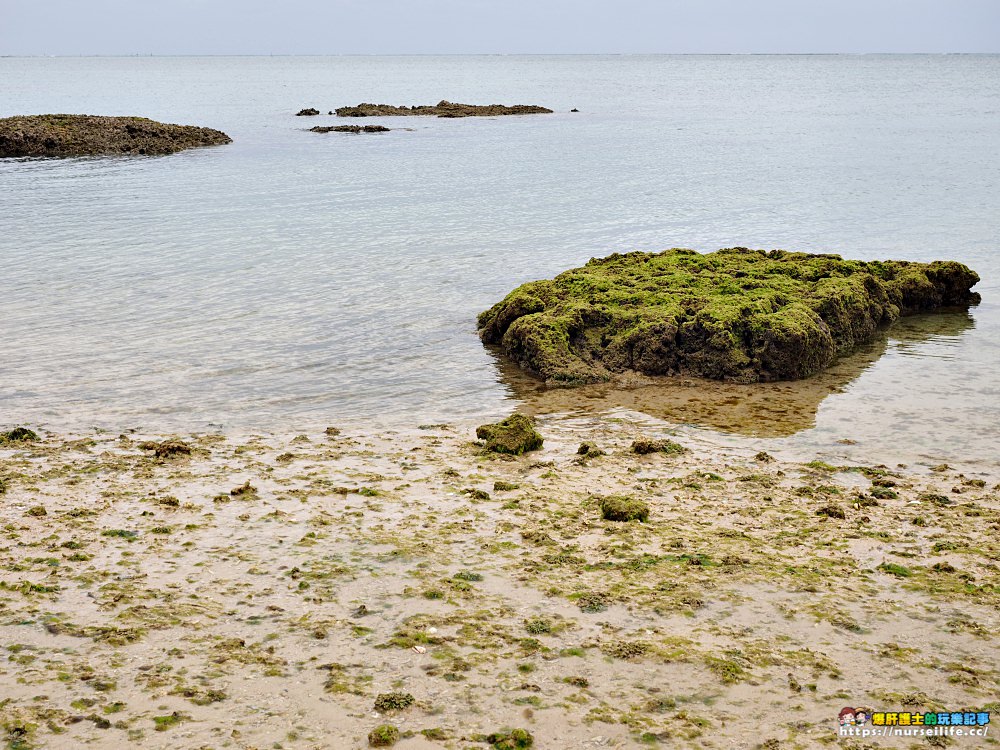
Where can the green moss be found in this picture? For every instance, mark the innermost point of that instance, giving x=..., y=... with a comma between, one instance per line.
x=18, y=435
x=736, y=314
x=501, y=486
x=163, y=723
x=396, y=701
x=883, y=493
x=538, y=625
x=619, y=508
x=831, y=511
x=514, y=435
x=899, y=571
x=625, y=649
x=121, y=533
x=645, y=446
x=589, y=450
x=726, y=669
x=511, y=739
x=385, y=735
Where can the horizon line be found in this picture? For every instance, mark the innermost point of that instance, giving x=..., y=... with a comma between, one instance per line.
x=502, y=54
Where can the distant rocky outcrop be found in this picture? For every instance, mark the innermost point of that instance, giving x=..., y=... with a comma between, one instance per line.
x=307, y=112
x=92, y=135
x=737, y=315
x=350, y=129
x=441, y=109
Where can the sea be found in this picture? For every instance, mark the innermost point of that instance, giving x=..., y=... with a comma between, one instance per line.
x=294, y=279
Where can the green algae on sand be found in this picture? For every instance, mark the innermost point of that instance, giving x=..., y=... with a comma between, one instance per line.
x=738, y=315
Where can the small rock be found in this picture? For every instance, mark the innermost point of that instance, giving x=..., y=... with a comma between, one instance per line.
x=514, y=435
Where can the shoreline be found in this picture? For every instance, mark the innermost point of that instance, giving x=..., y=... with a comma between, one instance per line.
x=166, y=602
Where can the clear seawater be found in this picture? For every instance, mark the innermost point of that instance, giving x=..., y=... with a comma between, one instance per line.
x=293, y=278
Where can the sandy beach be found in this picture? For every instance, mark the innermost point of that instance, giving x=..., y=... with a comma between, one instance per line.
x=300, y=590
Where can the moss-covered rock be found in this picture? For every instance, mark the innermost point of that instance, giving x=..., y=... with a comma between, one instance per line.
x=645, y=446
x=515, y=435
x=167, y=448
x=736, y=314
x=621, y=508
x=396, y=701
x=514, y=739
x=92, y=135
x=588, y=449
x=18, y=435
x=385, y=735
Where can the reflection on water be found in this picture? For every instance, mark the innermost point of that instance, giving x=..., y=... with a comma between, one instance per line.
x=767, y=410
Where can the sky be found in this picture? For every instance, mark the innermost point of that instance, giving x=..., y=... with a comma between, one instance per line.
x=302, y=27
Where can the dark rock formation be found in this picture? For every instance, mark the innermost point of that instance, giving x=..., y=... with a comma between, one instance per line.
x=737, y=315
x=307, y=112
x=91, y=135
x=350, y=129
x=515, y=435
x=18, y=435
x=441, y=109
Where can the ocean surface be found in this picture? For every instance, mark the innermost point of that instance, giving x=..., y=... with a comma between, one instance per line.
x=293, y=279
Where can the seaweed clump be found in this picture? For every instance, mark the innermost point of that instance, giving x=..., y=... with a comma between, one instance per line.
x=621, y=508
x=385, y=735
x=645, y=446
x=514, y=435
x=167, y=448
x=385, y=702
x=515, y=739
x=18, y=435
x=736, y=315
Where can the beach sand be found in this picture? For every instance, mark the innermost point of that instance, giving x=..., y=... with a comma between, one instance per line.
x=262, y=591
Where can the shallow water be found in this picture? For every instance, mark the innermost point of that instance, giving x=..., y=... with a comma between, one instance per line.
x=295, y=278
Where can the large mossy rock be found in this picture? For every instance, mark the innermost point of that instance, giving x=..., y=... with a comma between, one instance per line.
x=736, y=314
x=515, y=435
x=92, y=135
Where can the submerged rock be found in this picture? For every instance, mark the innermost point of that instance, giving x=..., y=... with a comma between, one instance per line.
x=738, y=315
x=307, y=112
x=441, y=109
x=92, y=135
x=515, y=435
x=350, y=129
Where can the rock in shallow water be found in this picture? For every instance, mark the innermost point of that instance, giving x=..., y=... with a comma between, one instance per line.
x=441, y=109
x=350, y=129
x=736, y=314
x=92, y=135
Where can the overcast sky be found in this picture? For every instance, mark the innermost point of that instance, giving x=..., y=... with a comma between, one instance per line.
x=223, y=27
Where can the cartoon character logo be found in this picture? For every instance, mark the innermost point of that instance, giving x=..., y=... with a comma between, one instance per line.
x=860, y=716
x=847, y=716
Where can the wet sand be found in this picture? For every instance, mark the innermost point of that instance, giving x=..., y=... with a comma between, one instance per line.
x=264, y=590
